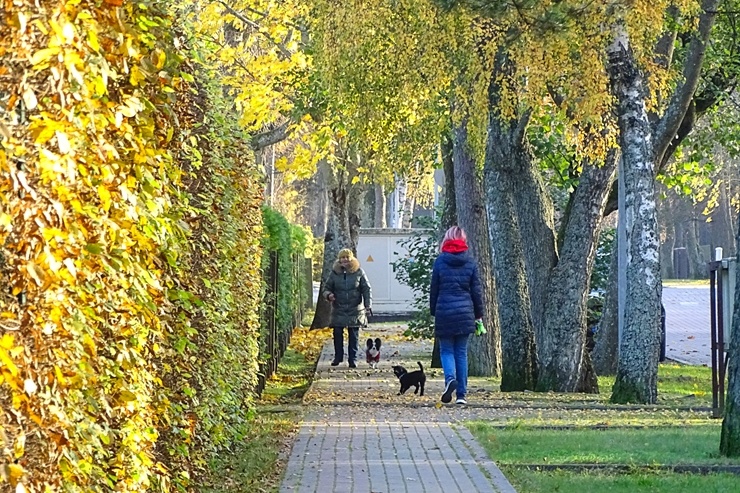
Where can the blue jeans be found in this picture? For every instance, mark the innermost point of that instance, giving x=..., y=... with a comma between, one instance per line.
x=453, y=351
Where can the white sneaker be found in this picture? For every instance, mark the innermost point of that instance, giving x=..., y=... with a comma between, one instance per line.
x=461, y=401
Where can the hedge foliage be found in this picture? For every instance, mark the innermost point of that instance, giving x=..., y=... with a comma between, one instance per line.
x=292, y=245
x=130, y=227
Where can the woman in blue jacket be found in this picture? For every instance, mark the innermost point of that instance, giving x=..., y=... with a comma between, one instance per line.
x=456, y=304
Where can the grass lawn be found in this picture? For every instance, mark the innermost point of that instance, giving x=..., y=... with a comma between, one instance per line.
x=640, y=446
x=595, y=482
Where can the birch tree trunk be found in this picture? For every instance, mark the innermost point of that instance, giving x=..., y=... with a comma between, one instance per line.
x=637, y=372
x=505, y=151
x=379, y=217
x=409, y=205
x=485, y=351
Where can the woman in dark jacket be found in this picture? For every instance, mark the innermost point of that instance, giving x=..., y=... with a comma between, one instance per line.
x=349, y=292
x=456, y=304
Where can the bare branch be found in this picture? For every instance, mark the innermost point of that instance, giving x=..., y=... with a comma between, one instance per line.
x=273, y=136
x=283, y=51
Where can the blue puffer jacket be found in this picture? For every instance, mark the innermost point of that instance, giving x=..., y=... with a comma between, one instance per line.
x=455, y=298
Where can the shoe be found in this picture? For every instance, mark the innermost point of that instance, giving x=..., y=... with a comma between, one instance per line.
x=335, y=363
x=352, y=364
x=449, y=389
x=460, y=400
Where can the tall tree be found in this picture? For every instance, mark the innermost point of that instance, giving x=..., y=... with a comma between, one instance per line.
x=485, y=354
x=730, y=438
x=644, y=146
x=503, y=166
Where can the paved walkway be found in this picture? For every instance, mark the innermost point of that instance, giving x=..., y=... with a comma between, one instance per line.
x=360, y=437
x=688, y=338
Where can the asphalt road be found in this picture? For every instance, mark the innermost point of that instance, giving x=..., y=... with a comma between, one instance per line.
x=687, y=324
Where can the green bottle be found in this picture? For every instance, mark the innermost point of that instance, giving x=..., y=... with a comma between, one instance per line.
x=479, y=328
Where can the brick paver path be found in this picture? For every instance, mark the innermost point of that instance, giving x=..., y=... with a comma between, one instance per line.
x=358, y=436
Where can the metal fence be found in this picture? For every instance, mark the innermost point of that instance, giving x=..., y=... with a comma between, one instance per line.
x=276, y=338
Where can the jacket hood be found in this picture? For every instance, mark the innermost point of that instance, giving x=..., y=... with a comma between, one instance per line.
x=454, y=259
x=354, y=266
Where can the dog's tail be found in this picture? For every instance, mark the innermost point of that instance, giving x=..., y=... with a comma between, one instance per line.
x=420, y=367
x=377, y=343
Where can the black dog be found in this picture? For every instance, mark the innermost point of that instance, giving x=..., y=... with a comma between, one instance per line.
x=414, y=378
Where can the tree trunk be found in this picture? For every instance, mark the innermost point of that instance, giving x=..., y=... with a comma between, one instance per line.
x=449, y=210
x=398, y=202
x=697, y=267
x=637, y=372
x=449, y=213
x=605, y=353
x=563, y=362
x=536, y=221
x=339, y=233
x=408, y=206
x=485, y=352
x=722, y=233
x=318, y=208
x=505, y=151
x=666, y=249
x=729, y=444
x=379, y=217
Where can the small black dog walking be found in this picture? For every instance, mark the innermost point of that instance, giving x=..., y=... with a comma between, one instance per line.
x=415, y=378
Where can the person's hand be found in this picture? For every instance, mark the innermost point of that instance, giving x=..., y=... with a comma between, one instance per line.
x=331, y=297
x=369, y=311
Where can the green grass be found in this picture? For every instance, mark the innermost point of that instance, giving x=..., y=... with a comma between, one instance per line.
x=595, y=482
x=648, y=447
x=256, y=463
x=291, y=380
x=674, y=435
x=698, y=445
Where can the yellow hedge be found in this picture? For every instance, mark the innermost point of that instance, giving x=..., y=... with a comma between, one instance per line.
x=99, y=331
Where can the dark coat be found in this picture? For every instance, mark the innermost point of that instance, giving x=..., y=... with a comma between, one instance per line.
x=353, y=295
x=455, y=298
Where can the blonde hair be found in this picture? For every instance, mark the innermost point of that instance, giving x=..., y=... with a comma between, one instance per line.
x=455, y=233
x=345, y=252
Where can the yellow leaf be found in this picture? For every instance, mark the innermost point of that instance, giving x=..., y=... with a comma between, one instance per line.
x=44, y=55
x=92, y=40
x=5, y=221
x=105, y=198
x=6, y=342
x=15, y=472
x=136, y=77
x=60, y=377
x=8, y=363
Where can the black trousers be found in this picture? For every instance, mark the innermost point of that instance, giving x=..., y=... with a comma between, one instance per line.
x=352, y=347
